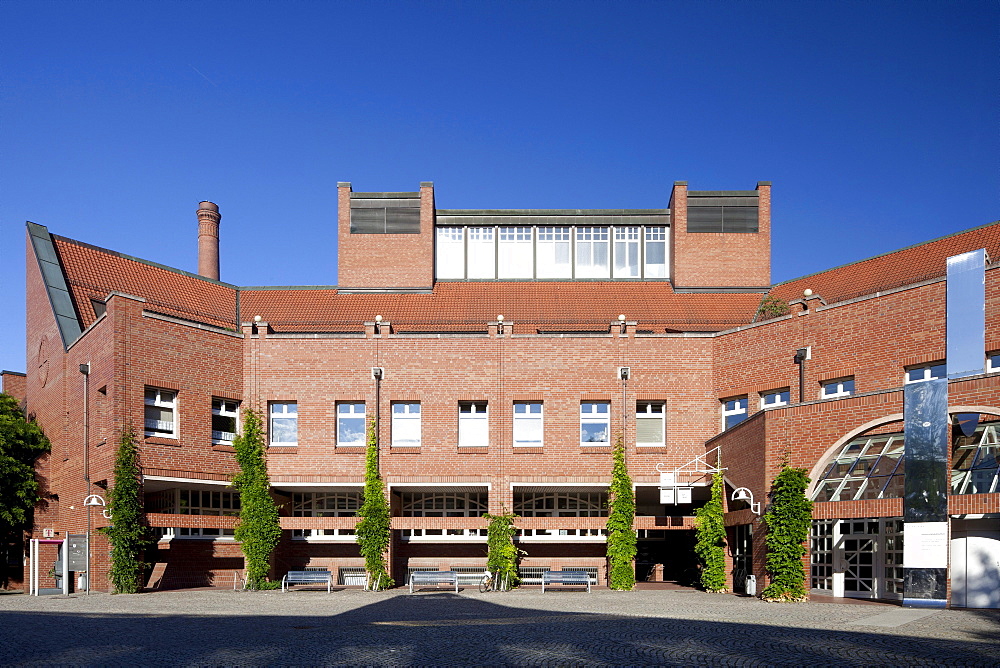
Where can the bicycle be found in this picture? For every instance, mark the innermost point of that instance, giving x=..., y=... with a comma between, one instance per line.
x=487, y=583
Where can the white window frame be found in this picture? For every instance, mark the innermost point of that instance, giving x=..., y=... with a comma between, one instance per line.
x=628, y=240
x=591, y=414
x=731, y=408
x=407, y=417
x=318, y=504
x=229, y=506
x=450, y=252
x=656, y=235
x=525, y=421
x=922, y=372
x=348, y=410
x=229, y=408
x=515, y=252
x=160, y=400
x=550, y=243
x=473, y=424
x=774, y=398
x=839, y=388
x=992, y=362
x=645, y=411
x=283, y=414
x=588, y=239
x=481, y=248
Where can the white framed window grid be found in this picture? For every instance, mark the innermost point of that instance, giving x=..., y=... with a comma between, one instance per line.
x=595, y=423
x=992, y=362
x=350, y=424
x=933, y=371
x=528, y=424
x=734, y=411
x=283, y=423
x=160, y=413
x=774, y=398
x=473, y=424
x=225, y=420
x=835, y=389
x=650, y=423
x=206, y=502
x=405, y=424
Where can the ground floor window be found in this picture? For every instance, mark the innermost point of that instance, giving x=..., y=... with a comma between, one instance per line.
x=561, y=504
x=443, y=504
x=324, y=504
x=205, y=502
x=857, y=558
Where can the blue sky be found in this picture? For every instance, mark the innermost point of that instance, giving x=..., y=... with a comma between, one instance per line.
x=877, y=122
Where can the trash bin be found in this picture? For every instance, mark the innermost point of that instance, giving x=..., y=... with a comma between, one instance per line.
x=751, y=585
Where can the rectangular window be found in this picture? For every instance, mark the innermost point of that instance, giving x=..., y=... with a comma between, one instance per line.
x=721, y=218
x=450, y=252
x=350, y=424
x=627, y=252
x=554, y=253
x=656, y=252
x=734, y=411
x=650, y=423
x=592, y=252
x=473, y=424
x=835, y=389
x=225, y=414
x=516, y=259
x=595, y=423
x=161, y=412
x=528, y=423
x=482, y=253
x=993, y=363
x=283, y=424
x=916, y=374
x=774, y=398
x=394, y=219
x=205, y=502
x=405, y=424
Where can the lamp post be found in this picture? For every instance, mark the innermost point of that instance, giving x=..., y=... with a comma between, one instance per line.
x=744, y=494
x=92, y=501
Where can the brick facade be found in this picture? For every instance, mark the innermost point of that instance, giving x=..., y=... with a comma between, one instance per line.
x=305, y=349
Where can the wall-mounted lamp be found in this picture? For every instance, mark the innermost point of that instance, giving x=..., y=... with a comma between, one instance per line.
x=624, y=372
x=85, y=369
x=96, y=501
x=621, y=321
x=378, y=373
x=256, y=319
x=744, y=494
x=500, y=324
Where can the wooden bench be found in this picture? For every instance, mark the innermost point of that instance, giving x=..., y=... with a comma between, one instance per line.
x=566, y=578
x=433, y=578
x=307, y=577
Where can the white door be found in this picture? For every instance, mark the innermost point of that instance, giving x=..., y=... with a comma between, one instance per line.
x=975, y=565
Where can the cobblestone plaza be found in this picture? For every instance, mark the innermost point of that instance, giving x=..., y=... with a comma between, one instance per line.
x=525, y=627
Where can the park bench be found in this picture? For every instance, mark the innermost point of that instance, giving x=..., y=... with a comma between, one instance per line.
x=307, y=577
x=433, y=578
x=566, y=578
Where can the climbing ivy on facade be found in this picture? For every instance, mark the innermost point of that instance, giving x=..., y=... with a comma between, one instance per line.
x=372, y=531
x=710, y=545
x=258, y=529
x=788, y=520
x=502, y=554
x=127, y=533
x=621, y=521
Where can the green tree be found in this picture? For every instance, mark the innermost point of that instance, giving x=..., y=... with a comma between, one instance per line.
x=258, y=529
x=621, y=519
x=372, y=532
x=21, y=443
x=771, y=307
x=710, y=545
x=502, y=554
x=788, y=521
x=127, y=532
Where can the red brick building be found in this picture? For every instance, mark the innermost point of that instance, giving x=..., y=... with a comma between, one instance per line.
x=499, y=338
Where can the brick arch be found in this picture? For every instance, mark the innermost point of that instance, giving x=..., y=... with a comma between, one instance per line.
x=878, y=422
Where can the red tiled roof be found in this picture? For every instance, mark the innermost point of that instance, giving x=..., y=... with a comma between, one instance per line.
x=892, y=270
x=468, y=306
x=92, y=273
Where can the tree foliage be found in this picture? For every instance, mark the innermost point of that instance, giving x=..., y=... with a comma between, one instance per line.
x=127, y=533
x=502, y=554
x=771, y=307
x=621, y=520
x=372, y=531
x=258, y=529
x=788, y=521
x=21, y=443
x=710, y=545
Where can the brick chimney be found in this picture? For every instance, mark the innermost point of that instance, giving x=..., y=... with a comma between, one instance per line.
x=208, y=240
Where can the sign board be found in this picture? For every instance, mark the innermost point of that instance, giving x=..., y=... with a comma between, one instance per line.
x=668, y=479
x=48, y=533
x=76, y=548
x=683, y=495
x=667, y=495
x=925, y=545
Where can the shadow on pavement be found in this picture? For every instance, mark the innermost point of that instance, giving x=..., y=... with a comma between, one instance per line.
x=445, y=629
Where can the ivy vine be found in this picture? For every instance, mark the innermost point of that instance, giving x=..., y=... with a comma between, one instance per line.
x=621, y=520
x=502, y=554
x=127, y=532
x=710, y=545
x=788, y=521
x=372, y=531
x=258, y=529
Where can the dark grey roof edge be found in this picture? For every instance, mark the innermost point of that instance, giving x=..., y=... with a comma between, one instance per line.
x=553, y=212
x=145, y=262
x=244, y=288
x=54, y=278
x=6, y=372
x=732, y=290
x=406, y=195
x=723, y=193
x=892, y=252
